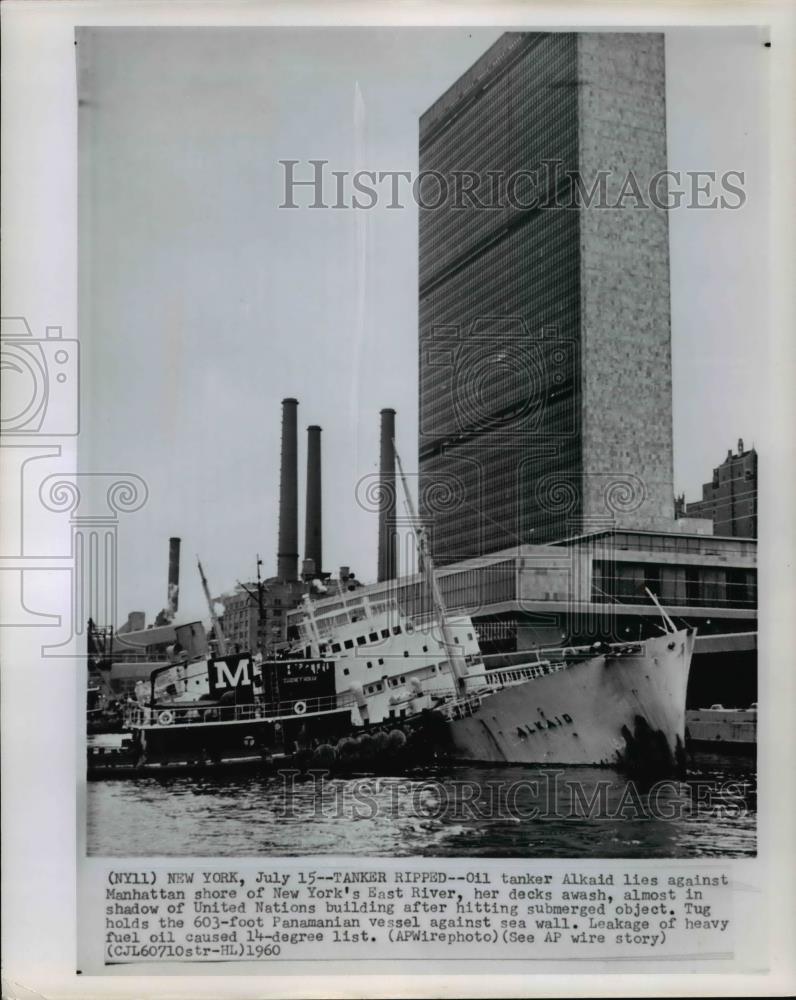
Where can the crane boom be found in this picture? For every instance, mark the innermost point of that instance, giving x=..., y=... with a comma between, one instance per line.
x=453, y=653
x=220, y=637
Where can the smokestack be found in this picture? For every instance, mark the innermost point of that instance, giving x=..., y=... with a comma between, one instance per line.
x=174, y=577
x=388, y=543
x=313, y=548
x=287, y=556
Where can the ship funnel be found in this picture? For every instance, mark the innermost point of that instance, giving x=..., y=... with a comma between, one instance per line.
x=173, y=599
x=313, y=548
x=388, y=542
x=287, y=556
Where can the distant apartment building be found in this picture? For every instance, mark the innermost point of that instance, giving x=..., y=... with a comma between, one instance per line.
x=730, y=498
x=255, y=617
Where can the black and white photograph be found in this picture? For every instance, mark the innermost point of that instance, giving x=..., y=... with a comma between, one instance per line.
x=422, y=344
x=396, y=452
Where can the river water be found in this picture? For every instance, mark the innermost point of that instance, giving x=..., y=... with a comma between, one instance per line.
x=464, y=812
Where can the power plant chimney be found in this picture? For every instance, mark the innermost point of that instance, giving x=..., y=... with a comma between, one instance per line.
x=174, y=578
x=287, y=556
x=313, y=548
x=388, y=542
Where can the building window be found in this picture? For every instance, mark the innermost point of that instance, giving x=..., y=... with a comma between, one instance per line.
x=335, y=647
x=361, y=640
x=385, y=633
x=652, y=579
x=692, y=585
x=349, y=643
x=369, y=664
x=396, y=630
x=425, y=649
x=345, y=671
x=373, y=637
x=381, y=662
x=406, y=652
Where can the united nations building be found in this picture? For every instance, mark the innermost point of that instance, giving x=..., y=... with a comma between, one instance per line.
x=545, y=371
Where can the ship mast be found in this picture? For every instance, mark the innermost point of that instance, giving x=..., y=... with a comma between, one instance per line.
x=220, y=637
x=452, y=652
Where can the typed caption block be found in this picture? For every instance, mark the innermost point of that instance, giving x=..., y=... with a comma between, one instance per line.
x=191, y=913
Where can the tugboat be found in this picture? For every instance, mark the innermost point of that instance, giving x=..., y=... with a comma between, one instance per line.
x=204, y=712
x=254, y=714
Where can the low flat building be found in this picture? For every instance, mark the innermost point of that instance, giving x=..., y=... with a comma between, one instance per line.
x=595, y=585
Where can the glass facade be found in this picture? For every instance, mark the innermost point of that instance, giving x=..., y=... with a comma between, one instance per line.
x=683, y=586
x=499, y=309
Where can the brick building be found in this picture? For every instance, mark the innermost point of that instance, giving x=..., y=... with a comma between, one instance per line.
x=257, y=621
x=730, y=498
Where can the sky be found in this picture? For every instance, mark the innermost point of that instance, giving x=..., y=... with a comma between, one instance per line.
x=202, y=304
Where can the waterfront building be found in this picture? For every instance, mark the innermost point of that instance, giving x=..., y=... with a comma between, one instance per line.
x=729, y=500
x=544, y=328
x=595, y=586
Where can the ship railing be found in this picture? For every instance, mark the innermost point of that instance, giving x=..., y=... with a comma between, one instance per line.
x=496, y=680
x=630, y=648
x=170, y=714
x=508, y=676
x=461, y=708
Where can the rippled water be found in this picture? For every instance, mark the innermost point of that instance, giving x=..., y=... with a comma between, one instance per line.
x=475, y=811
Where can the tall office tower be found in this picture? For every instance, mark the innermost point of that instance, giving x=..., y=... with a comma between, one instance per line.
x=545, y=370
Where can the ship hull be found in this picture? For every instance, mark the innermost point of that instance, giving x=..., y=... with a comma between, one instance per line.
x=220, y=740
x=213, y=745
x=620, y=710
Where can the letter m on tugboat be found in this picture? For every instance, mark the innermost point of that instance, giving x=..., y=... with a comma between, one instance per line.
x=230, y=673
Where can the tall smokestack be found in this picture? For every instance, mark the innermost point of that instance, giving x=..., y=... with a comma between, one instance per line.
x=388, y=543
x=313, y=548
x=287, y=556
x=174, y=577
